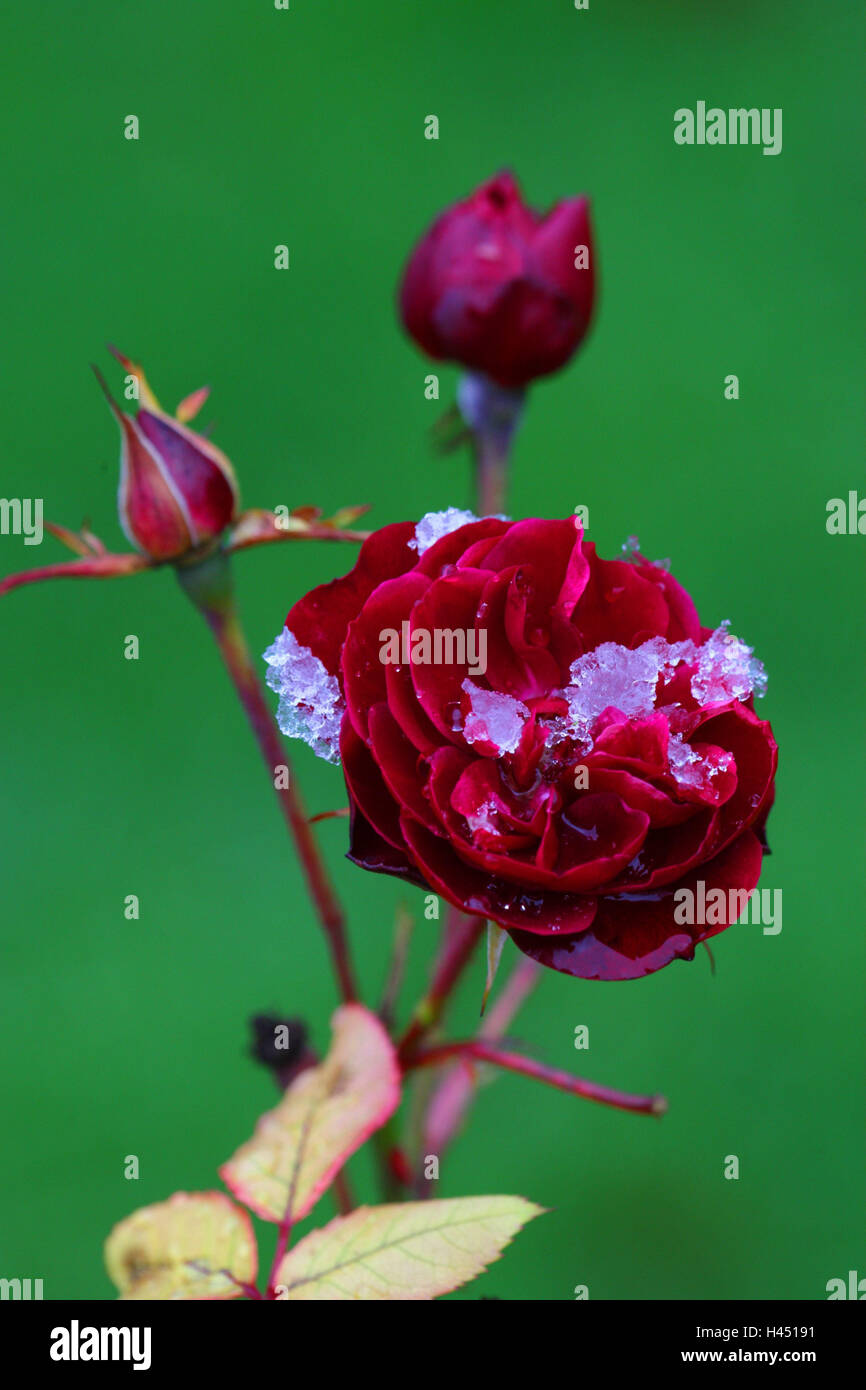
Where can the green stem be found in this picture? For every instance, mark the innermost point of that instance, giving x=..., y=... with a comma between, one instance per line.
x=492, y=413
x=491, y=474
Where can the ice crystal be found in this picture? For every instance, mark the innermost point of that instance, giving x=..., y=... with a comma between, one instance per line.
x=614, y=675
x=690, y=768
x=626, y=679
x=482, y=819
x=434, y=525
x=311, y=706
x=727, y=670
x=494, y=718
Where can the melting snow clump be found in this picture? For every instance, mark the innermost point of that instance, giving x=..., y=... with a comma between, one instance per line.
x=727, y=670
x=689, y=768
x=723, y=669
x=684, y=762
x=494, y=718
x=614, y=675
x=482, y=819
x=311, y=706
x=435, y=525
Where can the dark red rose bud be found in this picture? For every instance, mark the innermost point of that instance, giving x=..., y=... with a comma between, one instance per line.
x=177, y=490
x=500, y=289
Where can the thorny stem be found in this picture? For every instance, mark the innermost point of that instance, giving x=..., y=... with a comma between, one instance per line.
x=479, y=1050
x=209, y=587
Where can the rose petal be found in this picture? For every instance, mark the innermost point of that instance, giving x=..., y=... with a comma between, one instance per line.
x=364, y=658
x=636, y=935
x=399, y=763
x=466, y=888
x=618, y=605
x=367, y=789
x=449, y=605
x=321, y=618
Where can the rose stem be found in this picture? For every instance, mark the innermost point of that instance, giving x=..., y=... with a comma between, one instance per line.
x=343, y=1194
x=209, y=586
x=399, y=956
x=478, y=1050
x=462, y=935
x=492, y=414
x=285, y=1231
x=452, y=1096
x=233, y=648
x=491, y=473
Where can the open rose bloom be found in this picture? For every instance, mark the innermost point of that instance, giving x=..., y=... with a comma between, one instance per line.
x=547, y=739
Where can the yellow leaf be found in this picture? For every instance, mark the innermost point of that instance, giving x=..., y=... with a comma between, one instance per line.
x=325, y=1115
x=186, y=1247
x=411, y=1251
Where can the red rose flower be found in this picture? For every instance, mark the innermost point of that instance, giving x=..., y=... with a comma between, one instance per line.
x=496, y=287
x=545, y=738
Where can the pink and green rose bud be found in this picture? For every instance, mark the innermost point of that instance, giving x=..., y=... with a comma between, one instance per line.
x=499, y=288
x=177, y=490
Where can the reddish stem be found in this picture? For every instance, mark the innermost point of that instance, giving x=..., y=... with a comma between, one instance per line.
x=461, y=937
x=310, y=531
x=93, y=567
x=343, y=1193
x=279, y=1255
x=479, y=1050
x=450, y=1101
x=226, y=628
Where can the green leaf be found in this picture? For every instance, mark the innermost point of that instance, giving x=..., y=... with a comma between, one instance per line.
x=187, y=1247
x=325, y=1115
x=409, y=1250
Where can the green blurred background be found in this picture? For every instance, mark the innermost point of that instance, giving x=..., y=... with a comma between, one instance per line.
x=305, y=127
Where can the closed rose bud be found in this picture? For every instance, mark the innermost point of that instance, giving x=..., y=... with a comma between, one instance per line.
x=500, y=289
x=177, y=490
